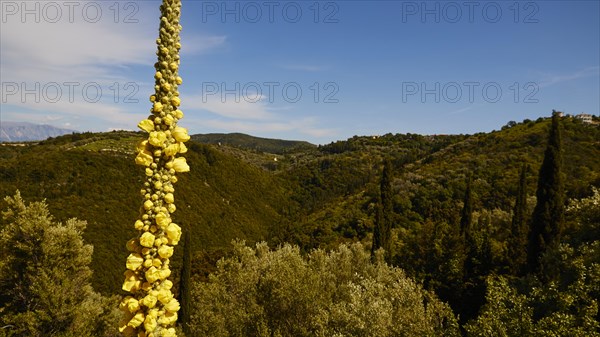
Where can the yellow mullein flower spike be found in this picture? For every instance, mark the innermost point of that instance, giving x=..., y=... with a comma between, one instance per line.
x=151, y=310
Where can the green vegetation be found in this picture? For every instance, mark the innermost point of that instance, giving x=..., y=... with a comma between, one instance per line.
x=45, y=276
x=80, y=177
x=259, y=292
x=547, y=219
x=319, y=198
x=384, y=214
x=268, y=145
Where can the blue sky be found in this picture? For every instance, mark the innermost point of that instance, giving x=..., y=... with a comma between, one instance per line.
x=316, y=71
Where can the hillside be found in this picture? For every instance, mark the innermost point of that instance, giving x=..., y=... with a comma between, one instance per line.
x=315, y=197
x=336, y=187
x=22, y=132
x=93, y=177
x=247, y=142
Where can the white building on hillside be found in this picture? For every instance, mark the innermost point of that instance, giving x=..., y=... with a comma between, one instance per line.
x=586, y=118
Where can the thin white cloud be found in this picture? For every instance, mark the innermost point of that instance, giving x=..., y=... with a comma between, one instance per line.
x=75, y=50
x=251, y=107
x=552, y=79
x=201, y=44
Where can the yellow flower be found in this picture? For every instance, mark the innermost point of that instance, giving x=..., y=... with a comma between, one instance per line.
x=142, y=145
x=182, y=148
x=176, y=101
x=129, y=304
x=148, y=204
x=172, y=149
x=162, y=220
x=164, y=296
x=174, y=233
x=132, y=282
x=150, y=323
x=173, y=66
x=178, y=114
x=146, y=125
x=157, y=138
x=149, y=172
x=152, y=274
x=171, y=208
x=180, y=165
x=136, y=320
x=169, y=198
x=172, y=306
x=170, y=332
x=149, y=301
x=164, y=273
x=144, y=158
x=167, y=284
x=139, y=225
x=181, y=134
x=134, y=261
x=165, y=251
x=167, y=319
x=178, y=80
x=147, y=240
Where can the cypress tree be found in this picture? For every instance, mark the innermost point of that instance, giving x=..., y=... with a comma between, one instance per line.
x=518, y=241
x=477, y=261
x=384, y=216
x=185, y=283
x=466, y=215
x=547, y=220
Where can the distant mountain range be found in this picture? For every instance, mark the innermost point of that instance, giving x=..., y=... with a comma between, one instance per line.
x=22, y=131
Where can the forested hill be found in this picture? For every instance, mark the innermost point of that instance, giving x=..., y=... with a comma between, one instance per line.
x=247, y=142
x=338, y=184
x=93, y=177
x=314, y=197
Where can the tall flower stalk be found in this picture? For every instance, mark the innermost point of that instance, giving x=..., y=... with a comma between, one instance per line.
x=150, y=310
